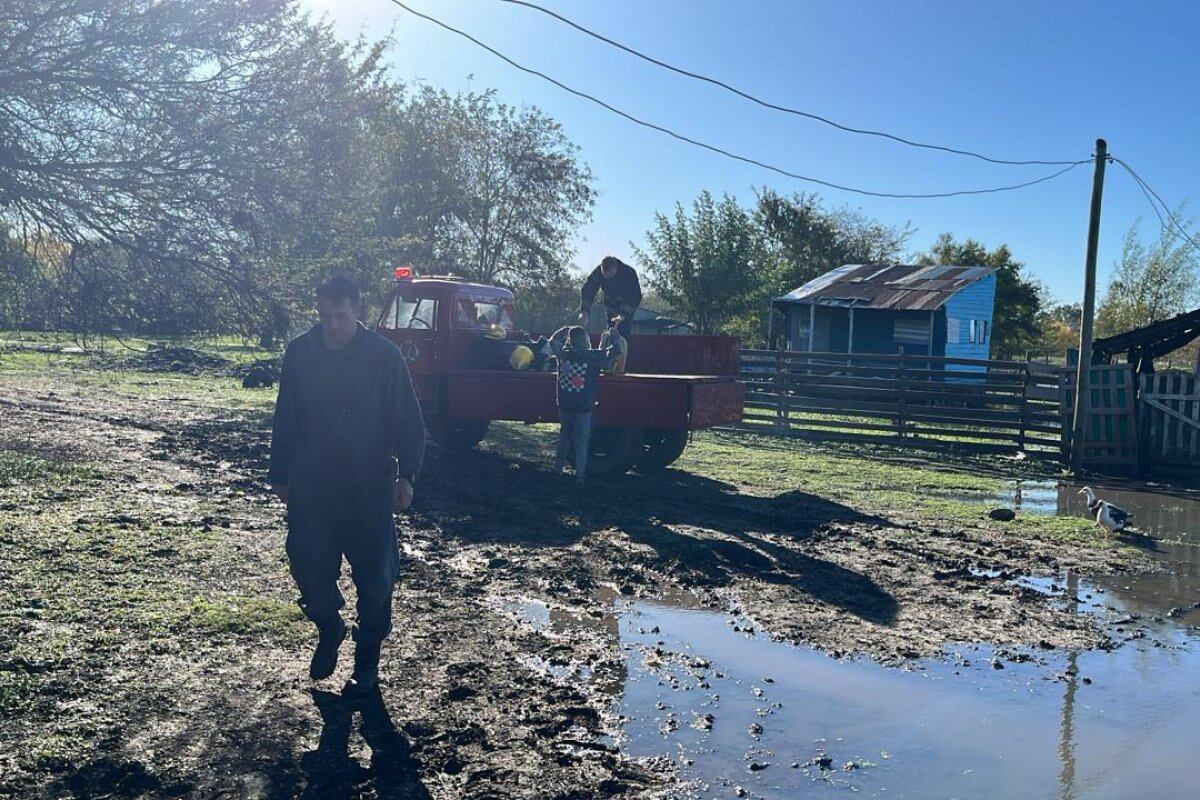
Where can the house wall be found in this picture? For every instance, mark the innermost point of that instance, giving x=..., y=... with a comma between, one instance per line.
x=874, y=330
x=974, y=303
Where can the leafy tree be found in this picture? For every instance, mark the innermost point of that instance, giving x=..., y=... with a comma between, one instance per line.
x=810, y=240
x=20, y=275
x=485, y=190
x=1018, y=298
x=1150, y=284
x=807, y=240
x=1058, y=325
x=706, y=264
x=107, y=125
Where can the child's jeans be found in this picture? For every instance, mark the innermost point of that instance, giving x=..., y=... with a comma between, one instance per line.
x=576, y=430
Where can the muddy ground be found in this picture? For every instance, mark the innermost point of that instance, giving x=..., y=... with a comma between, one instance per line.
x=150, y=645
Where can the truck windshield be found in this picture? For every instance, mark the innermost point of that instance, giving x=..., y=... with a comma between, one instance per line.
x=411, y=313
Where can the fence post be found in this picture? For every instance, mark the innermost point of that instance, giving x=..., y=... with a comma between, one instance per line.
x=1024, y=408
x=900, y=396
x=1065, y=412
x=781, y=403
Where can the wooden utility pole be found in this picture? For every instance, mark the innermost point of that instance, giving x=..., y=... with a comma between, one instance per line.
x=1089, y=311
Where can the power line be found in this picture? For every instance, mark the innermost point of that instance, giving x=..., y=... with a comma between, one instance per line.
x=721, y=151
x=768, y=104
x=1148, y=190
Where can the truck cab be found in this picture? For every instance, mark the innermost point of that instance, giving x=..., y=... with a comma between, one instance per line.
x=446, y=328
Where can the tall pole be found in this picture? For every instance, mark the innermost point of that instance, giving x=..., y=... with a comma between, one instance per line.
x=1089, y=310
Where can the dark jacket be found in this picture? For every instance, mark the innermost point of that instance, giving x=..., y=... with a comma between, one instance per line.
x=622, y=292
x=578, y=374
x=341, y=418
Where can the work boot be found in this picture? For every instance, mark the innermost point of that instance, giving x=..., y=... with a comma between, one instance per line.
x=366, y=670
x=324, y=658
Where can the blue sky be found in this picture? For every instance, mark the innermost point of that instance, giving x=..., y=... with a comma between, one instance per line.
x=1017, y=80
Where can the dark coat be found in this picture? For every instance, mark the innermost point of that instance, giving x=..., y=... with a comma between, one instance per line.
x=341, y=418
x=622, y=292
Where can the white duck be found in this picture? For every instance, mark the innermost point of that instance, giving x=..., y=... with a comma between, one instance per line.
x=1111, y=518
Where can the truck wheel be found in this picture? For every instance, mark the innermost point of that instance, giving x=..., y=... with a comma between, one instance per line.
x=456, y=434
x=661, y=448
x=614, y=450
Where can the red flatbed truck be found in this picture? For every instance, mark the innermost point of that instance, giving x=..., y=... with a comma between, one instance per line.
x=673, y=384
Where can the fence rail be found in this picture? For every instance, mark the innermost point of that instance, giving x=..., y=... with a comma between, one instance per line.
x=912, y=399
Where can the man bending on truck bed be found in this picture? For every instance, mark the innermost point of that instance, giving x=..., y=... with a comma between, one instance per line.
x=578, y=378
x=622, y=293
x=346, y=447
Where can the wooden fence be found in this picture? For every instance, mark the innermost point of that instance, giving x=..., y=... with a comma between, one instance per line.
x=1110, y=441
x=1170, y=419
x=910, y=399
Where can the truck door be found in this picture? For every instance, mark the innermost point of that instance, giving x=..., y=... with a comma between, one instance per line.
x=411, y=322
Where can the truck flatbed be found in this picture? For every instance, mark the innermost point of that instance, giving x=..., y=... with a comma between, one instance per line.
x=643, y=418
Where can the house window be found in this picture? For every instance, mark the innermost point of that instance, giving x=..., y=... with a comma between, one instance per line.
x=978, y=331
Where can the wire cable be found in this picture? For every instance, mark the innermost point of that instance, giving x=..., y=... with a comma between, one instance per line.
x=729, y=154
x=773, y=106
x=1148, y=190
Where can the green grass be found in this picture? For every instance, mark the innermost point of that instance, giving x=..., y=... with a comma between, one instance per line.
x=935, y=488
x=905, y=486
x=38, y=360
x=18, y=468
x=898, y=484
x=247, y=616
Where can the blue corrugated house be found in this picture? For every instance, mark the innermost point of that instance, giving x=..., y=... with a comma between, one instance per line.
x=873, y=308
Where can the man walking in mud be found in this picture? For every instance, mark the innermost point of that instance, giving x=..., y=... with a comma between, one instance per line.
x=346, y=447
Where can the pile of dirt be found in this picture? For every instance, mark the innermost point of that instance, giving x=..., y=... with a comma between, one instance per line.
x=262, y=373
x=171, y=358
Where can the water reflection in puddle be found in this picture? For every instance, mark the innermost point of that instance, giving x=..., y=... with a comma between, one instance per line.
x=738, y=711
x=1167, y=525
x=788, y=721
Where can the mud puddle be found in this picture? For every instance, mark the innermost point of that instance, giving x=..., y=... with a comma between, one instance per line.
x=1165, y=524
x=743, y=715
x=738, y=710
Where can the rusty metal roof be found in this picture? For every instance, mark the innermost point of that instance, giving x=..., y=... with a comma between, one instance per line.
x=897, y=286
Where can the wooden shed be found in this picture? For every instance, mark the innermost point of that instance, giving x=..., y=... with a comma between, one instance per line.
x=875, y=308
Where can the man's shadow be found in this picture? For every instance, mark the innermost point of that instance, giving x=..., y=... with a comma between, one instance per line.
x=331, y=773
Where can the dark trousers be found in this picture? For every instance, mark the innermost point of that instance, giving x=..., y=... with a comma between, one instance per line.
x=626, y=326
x=320, y=532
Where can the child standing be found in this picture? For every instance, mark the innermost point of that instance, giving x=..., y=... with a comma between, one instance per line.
x=613, y=338
x=578, y=379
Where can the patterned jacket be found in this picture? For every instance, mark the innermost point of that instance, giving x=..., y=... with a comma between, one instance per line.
x=578, y=373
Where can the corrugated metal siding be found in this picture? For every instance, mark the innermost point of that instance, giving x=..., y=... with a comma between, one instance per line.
x=911, y=332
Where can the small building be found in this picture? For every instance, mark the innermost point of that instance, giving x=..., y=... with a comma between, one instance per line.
x=873, y=308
